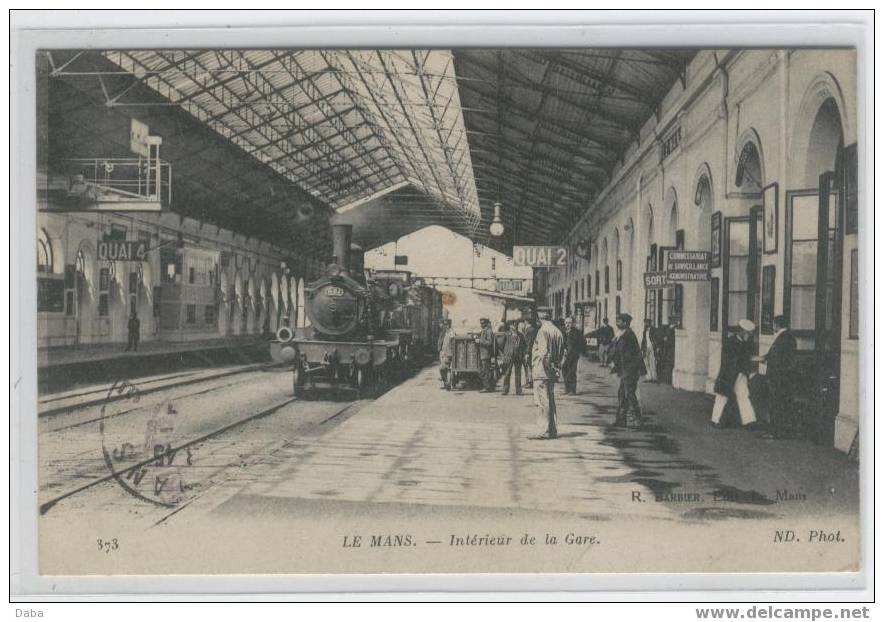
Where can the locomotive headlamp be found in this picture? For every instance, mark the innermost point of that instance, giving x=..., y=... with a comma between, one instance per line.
x=393, y=289
x=333, y=269
x=363, y=357
x=287, y=354
x=496, y=228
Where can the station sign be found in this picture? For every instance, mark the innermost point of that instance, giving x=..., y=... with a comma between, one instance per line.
x=509, y=285
x=688, y=266
x=391, y=275
x=656, y=280
x=540, y=256
x=120, y=250
x=139, y=134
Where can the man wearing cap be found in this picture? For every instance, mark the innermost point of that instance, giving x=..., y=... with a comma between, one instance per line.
x=486, y=353
x=513, y=356
x=630, y=366
x=546, y=355
x=733, y=377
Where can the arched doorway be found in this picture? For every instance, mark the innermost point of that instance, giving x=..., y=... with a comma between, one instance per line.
x=617, y=276
x=628, y=267
x=84, y=267
x=650, y=263
x=225, y=304
x=145, y=299
x=273, y=307
x=283, y=302
x=814, y=260
x=742, y=248
x=303, y=320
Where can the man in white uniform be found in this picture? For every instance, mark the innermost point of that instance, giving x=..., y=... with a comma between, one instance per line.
x=546, y=357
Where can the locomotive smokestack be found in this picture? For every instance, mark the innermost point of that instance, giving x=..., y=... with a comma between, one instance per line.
x=341, y=235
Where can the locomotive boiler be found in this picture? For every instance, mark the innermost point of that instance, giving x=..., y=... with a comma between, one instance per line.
x=363, y=333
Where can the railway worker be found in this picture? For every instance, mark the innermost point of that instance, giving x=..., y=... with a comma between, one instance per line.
x=446, y=345
x=530, y=334
x=546, y=356
x=134, y=332
x=630, y=366
x=513, y=356
x=486, y=355
x=574, y=347
x=733, y=377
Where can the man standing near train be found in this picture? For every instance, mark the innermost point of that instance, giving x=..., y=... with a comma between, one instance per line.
x=485, y=340
x=546, y=357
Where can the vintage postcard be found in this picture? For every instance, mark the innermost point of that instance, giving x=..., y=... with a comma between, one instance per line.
x=468, y=310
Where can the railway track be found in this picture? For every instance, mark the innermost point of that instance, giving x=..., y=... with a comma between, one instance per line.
x=171, y=451
x=101, y=396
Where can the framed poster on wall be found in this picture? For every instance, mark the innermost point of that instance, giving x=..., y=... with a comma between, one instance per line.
x=770, y=198
x=768, y=282
x=713, y=305
x=715, y=246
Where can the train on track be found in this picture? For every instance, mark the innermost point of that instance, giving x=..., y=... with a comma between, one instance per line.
x=367, y=331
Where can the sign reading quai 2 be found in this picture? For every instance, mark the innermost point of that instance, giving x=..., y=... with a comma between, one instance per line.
x=540, y=256
x=119, y=250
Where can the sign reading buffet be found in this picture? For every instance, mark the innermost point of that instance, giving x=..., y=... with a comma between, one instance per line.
x=540, y=256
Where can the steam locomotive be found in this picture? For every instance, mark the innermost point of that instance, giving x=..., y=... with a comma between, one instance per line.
x=365, y=332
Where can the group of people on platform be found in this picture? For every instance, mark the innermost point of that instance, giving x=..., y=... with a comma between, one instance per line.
x=548, y=353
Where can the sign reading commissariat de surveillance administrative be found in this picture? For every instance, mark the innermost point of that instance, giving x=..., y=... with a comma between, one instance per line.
x=540, y=256
x=687, y=266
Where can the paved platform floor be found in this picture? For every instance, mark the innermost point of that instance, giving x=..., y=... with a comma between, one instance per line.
x=421, y=475
x=420, y=445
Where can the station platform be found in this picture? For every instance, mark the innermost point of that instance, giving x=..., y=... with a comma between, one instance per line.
x=421, y=445
x=63, y=367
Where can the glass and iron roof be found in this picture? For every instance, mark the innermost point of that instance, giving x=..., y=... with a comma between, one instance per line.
x=343, y=124
x=431, y=136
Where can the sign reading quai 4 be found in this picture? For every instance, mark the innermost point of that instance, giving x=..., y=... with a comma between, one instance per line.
x=118, y=250
x=540, y=256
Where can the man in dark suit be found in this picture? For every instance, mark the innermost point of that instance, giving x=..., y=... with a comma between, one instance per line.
x=629, y=365
x=530, y=333
x=486, y=343
x=574, y=346
x=513, y=356
x=780, y=376
x=134, y=328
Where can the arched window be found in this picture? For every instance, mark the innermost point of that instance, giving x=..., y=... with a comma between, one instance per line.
x=44, y=252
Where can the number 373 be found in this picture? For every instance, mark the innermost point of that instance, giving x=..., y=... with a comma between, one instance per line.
x=107, y=545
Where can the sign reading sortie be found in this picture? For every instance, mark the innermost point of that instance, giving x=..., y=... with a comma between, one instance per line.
x=688, y=266
x=656, y=280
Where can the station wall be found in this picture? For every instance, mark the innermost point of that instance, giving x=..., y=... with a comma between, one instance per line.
x=199, y=281
x=742, y=121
